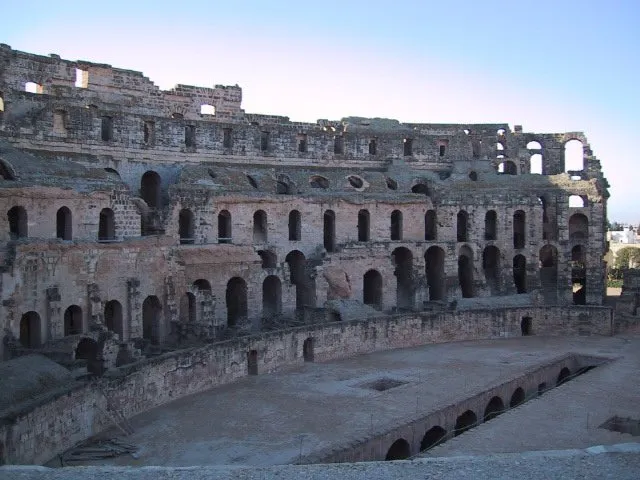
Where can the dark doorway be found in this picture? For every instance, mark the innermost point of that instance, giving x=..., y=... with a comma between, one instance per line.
x=73, y=320
x=107, y=225
x=224, y=227
x=549, y=268
x=494, y=408
x=271, y=296
x=434, y=266
x=260, y=227
x=30, y=330
x=236, y=299
x=151, y=319
x=363, y=226
x=113, y=317
x=399, y=450
x=491, y=267
x=517, y=398
x=403, y=261
x=188, y=312
x=372, y=289
x=252, y=362
x=298, y=277
x=526, y=327
x=519, y=226
x=307, y=350
x=465, y=272
x=430, y=225
x=434, y=436
x=87, y=349
x=295, y=226
x=150, y=189
x=520, y=273
x=396, y=225
x=461, y=231
x=64, y=229
x=578, y=227
x=490, y=225
x=330, y=231
x=17, y=222
x=186, y=227
x=464, y=422
x=563, y=376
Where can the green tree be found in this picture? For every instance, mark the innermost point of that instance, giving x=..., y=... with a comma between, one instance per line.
x=627, y=257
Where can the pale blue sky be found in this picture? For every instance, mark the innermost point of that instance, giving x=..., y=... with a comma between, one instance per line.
x=550, y=66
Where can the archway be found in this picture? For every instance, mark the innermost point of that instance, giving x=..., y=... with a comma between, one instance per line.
x=307, y=350
x=17, y=222
x=224, y=227
x=403, y=261
x=269, y=258
x=549, y=268
x=260, y=227
x=107, y=225
x=526, y=326
x=188, y=313
x=151, y=319
x=508, y=168
x=363, y=226
x=432, y=437
x=396, y=225
x=464, y=422
x=305, y=286
x=494, y=408
x=186, y=226
x=520, y=273
x=563, y=376
x=271, y=296
x=150, y=189
x=434, y=270
x=517, y=397
x=252, y=362
x=329, y=230
x=578, y=227
x=295, y=226
x=519, y=228
x=490, y=225
x=87, y=349
x=64, y=229
x=399, y=450
x=462, y=225
x=30, y=330
x=372, y=289
x=430, y=225
x=113, y=317
x=491, y=267
x=465, y=271
x=72, y=320
x=236, y=300
x=573, y=156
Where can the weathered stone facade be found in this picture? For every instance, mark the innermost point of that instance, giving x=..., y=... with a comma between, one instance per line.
x=138, y=216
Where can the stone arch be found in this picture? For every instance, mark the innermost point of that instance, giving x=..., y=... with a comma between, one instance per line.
x=271, y=296
x=462, y=226
x=491, y=267
x=150, y=189
x=432, y=437
x=563, y=376
x=298, y=277
x=517, y=397
x=399, y=450
x=519, y=229
x=403, y=262
x=151, y=319
x=224, y=227
x=186, y=226
x=18, y=224
x=30, y=330
x=106, y=226
x=573, y=156
x=73, y=324
x=7, y=172
x=396, y=225
x=508, y=167
x=260, y=227
x=430, y=225
x=363, y=225
x=434, y=270
x=64, y=227
x=372, y=289
x=465, y=421
x=236, y=301
x=491, y=225
x=295, y=226
x=520, y=273
x=576, y=201
x=113, y=319
x=578, y=227
x=329, y=230
x=465, y=271
x=494, y=408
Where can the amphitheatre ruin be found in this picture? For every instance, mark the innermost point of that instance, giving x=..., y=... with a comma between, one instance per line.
x=183, y=283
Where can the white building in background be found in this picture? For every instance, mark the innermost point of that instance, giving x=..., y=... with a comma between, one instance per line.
x=626, y=235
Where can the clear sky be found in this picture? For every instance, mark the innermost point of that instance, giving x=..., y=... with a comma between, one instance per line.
x=551, y=66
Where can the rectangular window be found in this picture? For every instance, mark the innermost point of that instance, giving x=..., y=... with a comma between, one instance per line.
x=408, y=147
x=226, y=138
x=302, y=143
x=106, y=132
x=190, y=136
x=82, y=78
x=338, y=144
x=264, y=141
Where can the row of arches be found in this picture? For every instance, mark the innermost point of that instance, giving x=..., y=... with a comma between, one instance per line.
x=573, y=158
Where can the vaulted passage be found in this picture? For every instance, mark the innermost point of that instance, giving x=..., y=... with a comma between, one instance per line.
x=372, y=289
x=517, y=397
x=434, y=270
x=151, y=319
x=271, y=296
x=491, y=267
x=150, y=189
x=113, y=317
x=329, y=231
x=494, y=408
x=519, y=229
x=520, y=273
x=260, y=227
x=403, y=261
x=430, y=225
x=17, y=222
x=363, y=226
x=295, y=226
x=186, y=226
x=64, y=229
x=399, y=450
x=73, y=320
x=465, y=272
x=396, y=225
x=30, y=330
x=464, y=422
x=236, y=301
x=491, y=225
x=432, y=437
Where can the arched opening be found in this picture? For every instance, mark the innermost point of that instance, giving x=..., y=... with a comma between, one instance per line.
x=421, y=188
x=519, y=220
x=113, y=317
x=106, y=226
x=526, y=326
x=494, y=408
x=329, y=232
x=465, y=271
x=17, y=222
x=399, y=450
x=372, y=289
x=396, y=225
x=269, y=258
x=151, y=319
x=317, y=181
x=298, y=277
x=548, y=268
x=434, y=270
x=260, y=227
x=236, y=301
x=363, y=226
x=573, y=156
x=271, y=296
x=508, y=168
x=295, y=226
x=432, y=437
x=464, y=422
x=283, y=185
x=535, y=164
x=186, y=226
x=7, y=171
x=461, y=231
x=579, y=275
x=490, y=225
x=252, y=362
x=533, y=145
x=224, y=227
x=150, y=189
x=430, y=225
x=578, y=227
x=188, y=312
x=30, y=330
x=73, y=320
x=491, y=267
x=517, y=397
x=520, y=273
x=403, y=261
x=87, y=349
x=563, y=376
x=307, y=350
x=576, y=201
x=63, y=224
